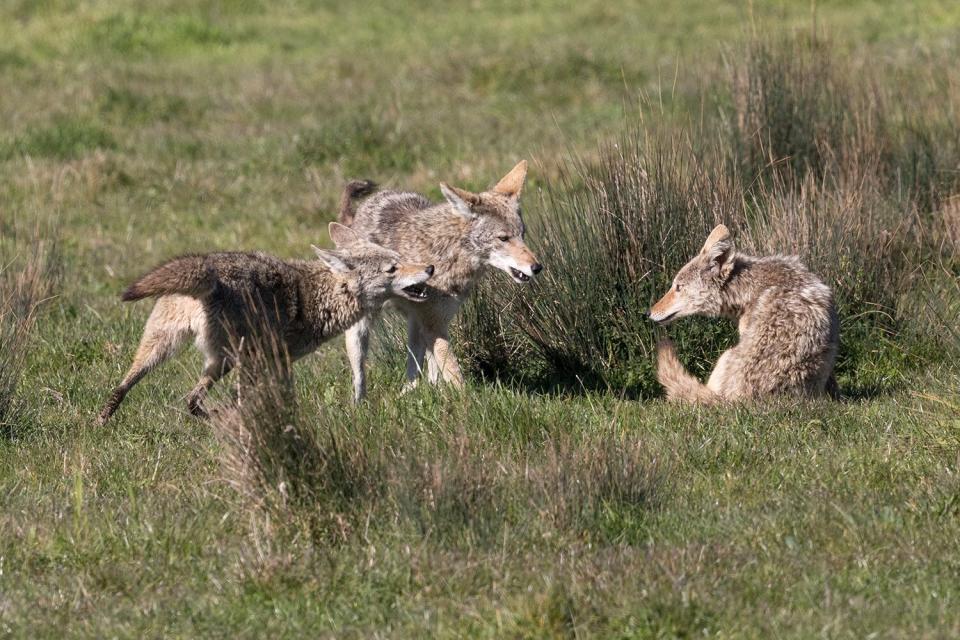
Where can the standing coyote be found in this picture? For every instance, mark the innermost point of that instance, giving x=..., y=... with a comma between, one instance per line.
x=222, y=297
x=787, y=322
x=461, y=236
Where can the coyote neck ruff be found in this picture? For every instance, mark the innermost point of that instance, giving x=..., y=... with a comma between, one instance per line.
x=329, y=303
x=222, y=299
x=786, y=319
x=461, y=236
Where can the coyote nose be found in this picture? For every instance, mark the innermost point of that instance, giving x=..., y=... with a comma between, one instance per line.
x=429, y=270
x=536, y=267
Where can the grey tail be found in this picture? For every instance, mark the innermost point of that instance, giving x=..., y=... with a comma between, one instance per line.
x=680, y=385
x=352, y=191
x=187, y=275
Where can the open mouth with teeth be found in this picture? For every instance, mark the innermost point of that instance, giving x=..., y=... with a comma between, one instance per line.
x=666, y=319
x=519, y=276
x=416, y=291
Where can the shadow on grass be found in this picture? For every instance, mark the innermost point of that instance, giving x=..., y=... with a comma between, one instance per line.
x=851, y=394
x=566, y=385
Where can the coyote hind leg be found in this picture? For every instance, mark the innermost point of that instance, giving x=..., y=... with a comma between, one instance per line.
x=167, y=328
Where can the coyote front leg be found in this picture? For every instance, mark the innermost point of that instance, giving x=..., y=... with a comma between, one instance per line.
x=358, y=343
x=441, y=361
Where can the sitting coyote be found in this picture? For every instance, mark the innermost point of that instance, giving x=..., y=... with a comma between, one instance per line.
x=461, y=236
x=222, y=297
x=787, y=322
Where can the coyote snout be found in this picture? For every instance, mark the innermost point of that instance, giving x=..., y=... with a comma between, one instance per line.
x=787, y=322
x=515, y=258
x=666, y=308
x=410, y=281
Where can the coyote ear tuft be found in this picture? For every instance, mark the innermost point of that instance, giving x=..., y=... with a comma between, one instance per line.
x=718, y=250
x=460, y=199
x=512, y=184
x=332, y=260
x=342, y=235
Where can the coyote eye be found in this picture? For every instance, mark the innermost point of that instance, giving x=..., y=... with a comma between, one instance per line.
x=391, y=269
x=503, y=238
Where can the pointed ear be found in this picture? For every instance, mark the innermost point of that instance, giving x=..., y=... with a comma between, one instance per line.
x=332, y=260
x=342, y=235
x=460, y=199
x=720, y=233
x=718, y=249
x=512, y=184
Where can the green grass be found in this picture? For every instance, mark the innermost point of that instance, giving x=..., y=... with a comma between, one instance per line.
x=142, y=130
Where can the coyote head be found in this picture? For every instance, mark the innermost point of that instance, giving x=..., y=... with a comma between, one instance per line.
x=496, y=228
x=697, y=286
x=380, y=273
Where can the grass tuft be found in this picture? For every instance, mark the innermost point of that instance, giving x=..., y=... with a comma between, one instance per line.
x=29, y=272
x=318, y=479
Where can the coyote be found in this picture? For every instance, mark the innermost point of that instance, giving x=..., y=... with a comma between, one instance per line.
x=223, y=297
x=461, y=236
x=787, y=323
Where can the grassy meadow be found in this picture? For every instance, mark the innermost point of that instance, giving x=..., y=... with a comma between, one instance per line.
x=558, y=495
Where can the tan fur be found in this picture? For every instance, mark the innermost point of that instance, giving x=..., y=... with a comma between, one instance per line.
x=679, y=384
x=720, y=233
x=470, y=198
x=512, y=184
x=223, y=298
x=786, y=319
x=462, y=237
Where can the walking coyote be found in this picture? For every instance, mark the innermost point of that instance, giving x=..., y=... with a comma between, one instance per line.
x=220, y=298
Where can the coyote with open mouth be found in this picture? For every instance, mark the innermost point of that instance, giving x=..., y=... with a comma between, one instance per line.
x=461, y=236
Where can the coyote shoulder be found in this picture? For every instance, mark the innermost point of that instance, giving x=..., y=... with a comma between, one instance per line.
x=786, y=318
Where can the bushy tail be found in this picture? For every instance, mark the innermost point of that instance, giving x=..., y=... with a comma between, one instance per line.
x=187, y=275
x=351, y=191
x=680, y=385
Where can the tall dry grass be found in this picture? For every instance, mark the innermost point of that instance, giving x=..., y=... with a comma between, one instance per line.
x=29, y=272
